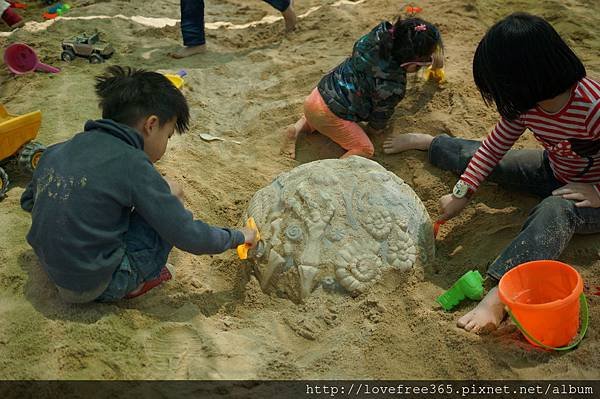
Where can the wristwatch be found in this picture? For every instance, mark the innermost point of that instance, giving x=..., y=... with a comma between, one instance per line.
x=462, y=190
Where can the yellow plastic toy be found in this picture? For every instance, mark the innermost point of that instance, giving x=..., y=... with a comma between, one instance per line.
x=177, y=79
x=436, y=74
x=242, y=250
x=436, y=70
x=16, y=142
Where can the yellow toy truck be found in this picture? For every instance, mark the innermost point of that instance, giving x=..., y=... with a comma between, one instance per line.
x=16, y=143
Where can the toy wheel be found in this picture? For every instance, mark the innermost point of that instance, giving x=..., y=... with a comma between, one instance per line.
x=3, y=182
x=67, y=55
x=30, y=155
x=96, y=59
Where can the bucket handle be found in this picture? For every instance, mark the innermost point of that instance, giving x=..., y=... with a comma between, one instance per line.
x=584, y=326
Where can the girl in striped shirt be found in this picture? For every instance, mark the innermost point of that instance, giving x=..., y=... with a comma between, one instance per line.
x=536, y=82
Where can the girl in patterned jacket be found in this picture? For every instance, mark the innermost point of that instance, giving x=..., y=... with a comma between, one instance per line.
x=367, y=86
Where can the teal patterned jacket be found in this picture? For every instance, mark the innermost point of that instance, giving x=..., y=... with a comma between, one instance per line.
x=366, y=87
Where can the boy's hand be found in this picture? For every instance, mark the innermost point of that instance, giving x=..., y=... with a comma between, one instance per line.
x=584, y=195
x=250, y=236
x=451, y=206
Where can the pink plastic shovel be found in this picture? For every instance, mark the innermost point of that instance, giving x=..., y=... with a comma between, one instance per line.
x=20, y=59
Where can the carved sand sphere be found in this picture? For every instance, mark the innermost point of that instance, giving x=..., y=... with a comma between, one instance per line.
x=339, y=224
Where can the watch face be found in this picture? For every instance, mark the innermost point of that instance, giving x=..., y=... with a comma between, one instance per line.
x=460, y=189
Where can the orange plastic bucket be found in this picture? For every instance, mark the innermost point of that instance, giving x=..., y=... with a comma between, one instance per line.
x=543, y=298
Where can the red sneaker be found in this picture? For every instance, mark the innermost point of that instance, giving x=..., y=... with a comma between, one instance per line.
x=12, y=19
x=166, y=274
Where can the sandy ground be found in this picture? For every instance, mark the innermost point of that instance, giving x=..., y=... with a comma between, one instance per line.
x=212, y=323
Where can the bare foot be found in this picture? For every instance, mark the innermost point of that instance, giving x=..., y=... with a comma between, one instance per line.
x=486, y=316
x=188, y=51
x=288, y=146
x=290, y=18
x=408, y=141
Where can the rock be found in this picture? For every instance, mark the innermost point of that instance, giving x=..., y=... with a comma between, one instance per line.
x=337, y=223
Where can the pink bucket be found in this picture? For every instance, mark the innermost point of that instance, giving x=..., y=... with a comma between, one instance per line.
x=21, y=59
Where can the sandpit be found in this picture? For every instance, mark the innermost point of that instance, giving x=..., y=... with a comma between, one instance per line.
x=215, y=322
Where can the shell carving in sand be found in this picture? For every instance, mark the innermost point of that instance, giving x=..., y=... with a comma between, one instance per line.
x=337, y=224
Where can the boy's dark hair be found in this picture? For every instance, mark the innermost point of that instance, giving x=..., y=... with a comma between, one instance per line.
x=521, y=61
x=128, y=95
x=409, y=42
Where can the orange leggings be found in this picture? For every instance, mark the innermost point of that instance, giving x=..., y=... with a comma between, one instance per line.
x=349, y=135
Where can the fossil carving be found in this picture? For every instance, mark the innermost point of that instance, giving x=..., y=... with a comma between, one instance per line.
x=337, y=224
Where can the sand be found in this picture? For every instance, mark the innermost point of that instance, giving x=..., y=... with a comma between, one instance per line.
x=212, y=322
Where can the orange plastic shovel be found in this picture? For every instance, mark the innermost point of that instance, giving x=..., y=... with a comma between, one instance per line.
x=436, y=227
x=242, y=250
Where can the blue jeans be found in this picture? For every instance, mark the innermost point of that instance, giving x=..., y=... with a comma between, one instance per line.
x=192, y=22
x=280, y=5
x=192, y=19
x=146, y=254
x=549, y=226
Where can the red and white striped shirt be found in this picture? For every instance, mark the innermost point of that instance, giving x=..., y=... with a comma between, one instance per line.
x=578, y=119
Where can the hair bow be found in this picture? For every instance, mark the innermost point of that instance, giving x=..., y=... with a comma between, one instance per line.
x=413, y=10
x=420, y=28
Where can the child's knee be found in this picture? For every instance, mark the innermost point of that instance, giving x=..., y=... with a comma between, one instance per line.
x=556, y=211
x=369, y=150
x=555, y=206
x=364, y=151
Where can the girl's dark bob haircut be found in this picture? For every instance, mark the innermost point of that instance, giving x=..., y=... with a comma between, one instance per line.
x=521, y=61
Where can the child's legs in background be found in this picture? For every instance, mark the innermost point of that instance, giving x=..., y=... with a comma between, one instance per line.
x=280, y=5
x=347, y=134
x=519, y=170
x=287, y=11
x=192, y=22
x=146, y=253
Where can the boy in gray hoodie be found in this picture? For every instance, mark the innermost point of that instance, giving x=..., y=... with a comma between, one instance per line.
x=103, y=218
